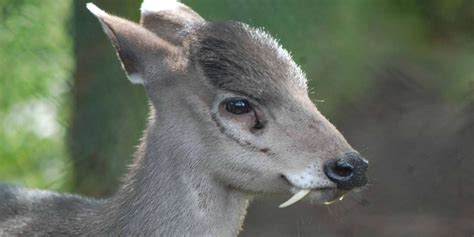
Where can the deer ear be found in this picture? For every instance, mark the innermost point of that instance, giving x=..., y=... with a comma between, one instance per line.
x=136, y=47
x=169, y=19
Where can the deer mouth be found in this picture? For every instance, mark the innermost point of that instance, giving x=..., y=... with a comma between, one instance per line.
x=325, y=195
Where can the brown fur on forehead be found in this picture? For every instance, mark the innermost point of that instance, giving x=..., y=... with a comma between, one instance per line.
x=238, y=58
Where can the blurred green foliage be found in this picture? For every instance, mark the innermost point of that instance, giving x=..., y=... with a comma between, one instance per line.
x=342, y=45
x=35, y=66
x=108, y=114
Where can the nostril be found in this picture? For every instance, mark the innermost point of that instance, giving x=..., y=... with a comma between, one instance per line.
x=343, y=170
x=348, y=171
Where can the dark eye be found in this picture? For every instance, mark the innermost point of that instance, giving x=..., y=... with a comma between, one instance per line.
x=238, y=106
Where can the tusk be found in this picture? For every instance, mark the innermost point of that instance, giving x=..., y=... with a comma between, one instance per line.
x=295, y=198
x=333, y=201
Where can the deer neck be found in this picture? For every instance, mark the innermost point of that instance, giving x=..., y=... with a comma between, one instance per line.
x=165, y=195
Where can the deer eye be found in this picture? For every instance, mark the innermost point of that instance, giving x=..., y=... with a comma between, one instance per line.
x=238, y=106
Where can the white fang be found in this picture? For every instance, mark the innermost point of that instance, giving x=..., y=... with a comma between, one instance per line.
x=295, y=198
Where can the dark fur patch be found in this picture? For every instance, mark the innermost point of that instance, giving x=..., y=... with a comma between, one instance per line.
x=247, y=61
x=244, y=143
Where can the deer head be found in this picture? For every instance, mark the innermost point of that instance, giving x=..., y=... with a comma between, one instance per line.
x=232, y=104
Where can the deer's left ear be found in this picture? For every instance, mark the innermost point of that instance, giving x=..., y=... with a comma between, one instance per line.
x=137, y=48
x=169, y=19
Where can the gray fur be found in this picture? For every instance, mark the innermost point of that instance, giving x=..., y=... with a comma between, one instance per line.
x=244, y=60
x=198, y=165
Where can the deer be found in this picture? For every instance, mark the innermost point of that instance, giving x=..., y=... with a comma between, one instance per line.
x=230, y=119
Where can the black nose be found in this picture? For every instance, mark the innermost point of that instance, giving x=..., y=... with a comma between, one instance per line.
x=348, y=171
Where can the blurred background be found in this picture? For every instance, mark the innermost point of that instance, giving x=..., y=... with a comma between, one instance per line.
x=396, y=77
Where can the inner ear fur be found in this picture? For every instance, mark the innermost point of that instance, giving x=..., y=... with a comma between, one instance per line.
x=137, y=48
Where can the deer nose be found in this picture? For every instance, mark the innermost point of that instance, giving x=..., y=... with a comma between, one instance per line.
x=348, y=171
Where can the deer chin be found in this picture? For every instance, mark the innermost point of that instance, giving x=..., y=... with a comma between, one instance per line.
x=325, y=196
